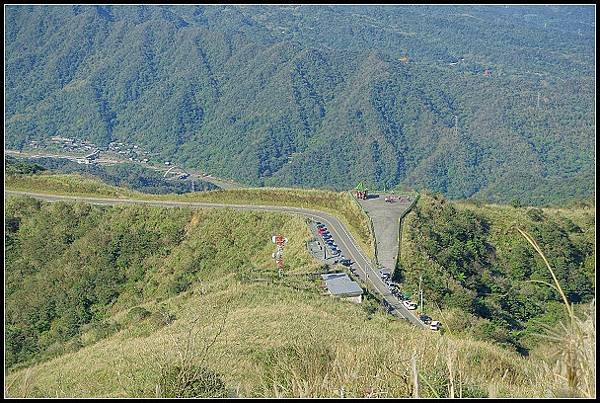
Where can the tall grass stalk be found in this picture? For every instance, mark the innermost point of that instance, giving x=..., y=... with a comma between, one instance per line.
x=576, y=356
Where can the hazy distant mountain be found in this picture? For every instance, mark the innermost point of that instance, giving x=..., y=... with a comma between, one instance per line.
x=322, y=96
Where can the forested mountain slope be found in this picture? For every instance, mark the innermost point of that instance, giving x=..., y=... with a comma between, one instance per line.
x=471, y=258
x=320, y=95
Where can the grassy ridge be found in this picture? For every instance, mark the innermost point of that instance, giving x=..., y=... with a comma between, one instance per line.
x=272, y=337
x=69, y=184
x=339, y=204
x=279, y=342
x=71, y=265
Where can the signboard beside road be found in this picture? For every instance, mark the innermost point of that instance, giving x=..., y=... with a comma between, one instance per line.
x=280, y=241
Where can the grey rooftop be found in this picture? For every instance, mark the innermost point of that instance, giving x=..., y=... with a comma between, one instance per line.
x=340, y=285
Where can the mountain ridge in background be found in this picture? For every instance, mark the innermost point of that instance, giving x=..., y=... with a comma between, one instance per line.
x=320, y=96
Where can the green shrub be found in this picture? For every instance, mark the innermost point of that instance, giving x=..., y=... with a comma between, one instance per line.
x=190, y=381
x=137, y=314
x=162, y=317
x=536, y=214
x=104, y=329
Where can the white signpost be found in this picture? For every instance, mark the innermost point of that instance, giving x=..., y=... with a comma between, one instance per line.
x=280, y=241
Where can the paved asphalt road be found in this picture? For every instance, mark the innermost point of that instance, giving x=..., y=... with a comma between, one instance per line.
x=343, y=238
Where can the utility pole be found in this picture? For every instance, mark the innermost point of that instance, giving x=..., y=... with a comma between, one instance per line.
x=455, y=125
x=421, y=293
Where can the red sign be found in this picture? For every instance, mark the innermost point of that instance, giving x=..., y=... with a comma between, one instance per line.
x=279, y=239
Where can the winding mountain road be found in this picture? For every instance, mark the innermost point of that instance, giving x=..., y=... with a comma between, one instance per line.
x=347, y=244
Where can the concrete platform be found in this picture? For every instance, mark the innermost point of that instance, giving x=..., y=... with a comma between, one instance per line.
x=386, y=223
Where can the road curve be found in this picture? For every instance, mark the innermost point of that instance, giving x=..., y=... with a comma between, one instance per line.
x=347, y=244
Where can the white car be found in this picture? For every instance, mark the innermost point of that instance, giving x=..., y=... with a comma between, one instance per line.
x=409, y=304
x=435, y=325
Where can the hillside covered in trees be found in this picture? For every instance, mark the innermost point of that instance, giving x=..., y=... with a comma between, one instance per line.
x=320, y=96
x=472, y=260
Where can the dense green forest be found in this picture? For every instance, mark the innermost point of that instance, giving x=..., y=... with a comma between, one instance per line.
x=320, y=96
x=471, y=258
x=133, y=176
x=14, y=167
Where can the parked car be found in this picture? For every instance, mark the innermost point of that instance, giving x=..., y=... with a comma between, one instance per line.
x=425, y=319
x=435, y=325
x=385, y=273
x=346, y=262
x=409, y=304
x=319, y=224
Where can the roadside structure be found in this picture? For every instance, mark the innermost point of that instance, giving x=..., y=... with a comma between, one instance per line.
x=361, y=191
x=341, y=286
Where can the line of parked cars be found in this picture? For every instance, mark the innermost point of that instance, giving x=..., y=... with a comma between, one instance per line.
x=433, y=324
x=327, y=238
x=408, y=304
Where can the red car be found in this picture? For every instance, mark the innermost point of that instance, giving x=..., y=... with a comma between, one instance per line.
x=322, y=230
